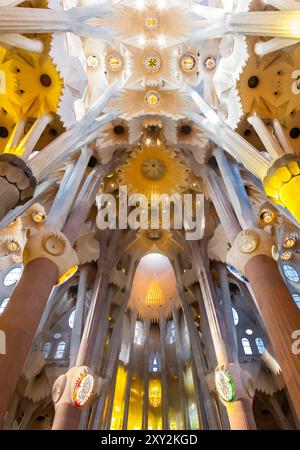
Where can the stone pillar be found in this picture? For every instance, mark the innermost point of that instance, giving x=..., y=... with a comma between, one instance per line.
x=71, y=393
x=207, y=410
x=240, y=415
x=180, y=365
x=265, y=23
x=227, y=310
x=38, y=20
x=251, y=254
x=164, y=374
x=107, y=368
x=221, y=202
x=79, y=315
x=235, y=189
x=146, y=375
x=47, y=256
x=91, y=328
x=129, y=373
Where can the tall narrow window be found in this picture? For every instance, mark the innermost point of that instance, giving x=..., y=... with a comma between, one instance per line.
x=139, y=333
x=46, y=349
x=155, y=363
x=170, y=338
x=260, y=345
x=71, y=319
x=246, y=346
x=296, y=297
x=12, y=276
x=235, y=316
x=60, y=350
x=3, y=304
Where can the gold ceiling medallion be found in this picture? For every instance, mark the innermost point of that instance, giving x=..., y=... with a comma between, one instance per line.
x=210, y=63
x=13, y=246
x=92, y=61
x=188, y=63
x=152, y=62
x=290, y=241
x=152, y=98
x=153, y=169
x=151, y=22
x=248, y=241
x=115, y=62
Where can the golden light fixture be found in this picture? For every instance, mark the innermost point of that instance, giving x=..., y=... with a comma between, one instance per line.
x=188, y=63
x=115, y=62
x=155, y=393
x=152, y=98
x=154, y=296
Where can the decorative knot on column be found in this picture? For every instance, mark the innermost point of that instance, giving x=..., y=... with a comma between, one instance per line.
x=53, y=245
x=282, y=183
x=34, y=219
x=78, y=387
x=17, y=182
x=249, y=243
x=232, y=383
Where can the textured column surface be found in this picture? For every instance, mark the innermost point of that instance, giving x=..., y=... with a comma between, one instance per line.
x=240, y=415
x=20, y=321
x=66, y=417
x=281, y=318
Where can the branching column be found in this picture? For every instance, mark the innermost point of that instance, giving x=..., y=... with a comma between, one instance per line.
x=164, y=374
x=251, y=253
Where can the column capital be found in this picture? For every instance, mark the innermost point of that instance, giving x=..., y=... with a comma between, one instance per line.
x=55, y=246
x=16, y=180
x=78, y=387
x=233, y=384
x=249, y=243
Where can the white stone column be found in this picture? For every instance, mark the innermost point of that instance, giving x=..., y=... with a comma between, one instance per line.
x=79, y=315
x=236, y=190
x=10, y=40
x=146, y=375
x=283, y=24
x=221, y=203
x=133, y=318
x=180, y=366
x=270, y=143
x=164, y=374
x=38, y=20
x=222, y=135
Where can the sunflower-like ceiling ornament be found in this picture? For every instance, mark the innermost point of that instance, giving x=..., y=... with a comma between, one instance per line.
x=154, y=169
x=9, y=100
x=270, y=86
x=40, y=85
